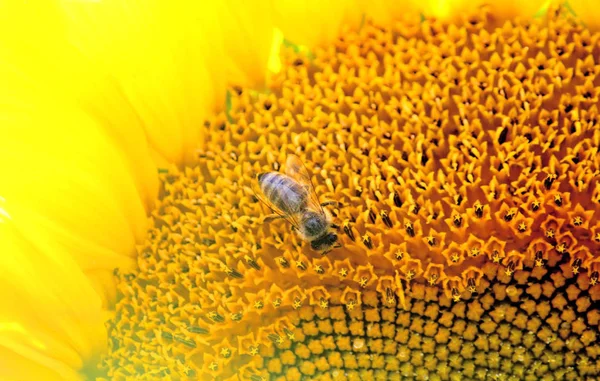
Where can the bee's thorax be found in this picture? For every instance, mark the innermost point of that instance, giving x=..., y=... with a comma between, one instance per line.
x=314, y=224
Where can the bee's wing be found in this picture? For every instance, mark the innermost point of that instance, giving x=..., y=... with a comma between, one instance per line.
x=288, y=217
x=296, y=169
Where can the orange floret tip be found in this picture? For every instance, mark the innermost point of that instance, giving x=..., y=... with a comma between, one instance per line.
x=538, y=253
x=365, y=276
x=566, y=242
x=471, y=279
x=397, y=253
x=249, y=345
x=580, y=218
x=434, y=274
x=458, y=225
x=511, y=263
x=294, y=297
x=351, y=297
x=344, y=269
x=411, y=270
x=318, y=296
x=455, y=254
x=453, y=289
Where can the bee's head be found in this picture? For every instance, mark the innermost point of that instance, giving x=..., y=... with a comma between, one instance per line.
x=324, y=242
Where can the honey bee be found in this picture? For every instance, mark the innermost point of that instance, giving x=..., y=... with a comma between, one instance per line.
x=291, y=196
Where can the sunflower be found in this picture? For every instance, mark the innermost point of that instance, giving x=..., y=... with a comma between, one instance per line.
x=460, y=140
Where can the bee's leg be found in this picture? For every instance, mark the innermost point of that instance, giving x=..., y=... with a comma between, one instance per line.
x=334, y=203
x=336, y=246
x=272, y=217
x=335, y=226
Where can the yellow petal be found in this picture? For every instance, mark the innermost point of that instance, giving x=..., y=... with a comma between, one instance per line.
x=52, y=322
x=319, y=22
x=76, y=211
x=36, y=54
x=68, y=180
x=152, y=68
x=172, y=60
x=453, y=9
x=315, y=22
x=246, y=33
x=155, y=53
x=588, y=11
x=443, y=9
x=385, y=12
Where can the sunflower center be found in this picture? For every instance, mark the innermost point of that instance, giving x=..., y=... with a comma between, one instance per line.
x=464, y=159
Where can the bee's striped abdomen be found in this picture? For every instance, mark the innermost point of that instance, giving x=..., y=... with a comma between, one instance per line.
x=283, y=192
